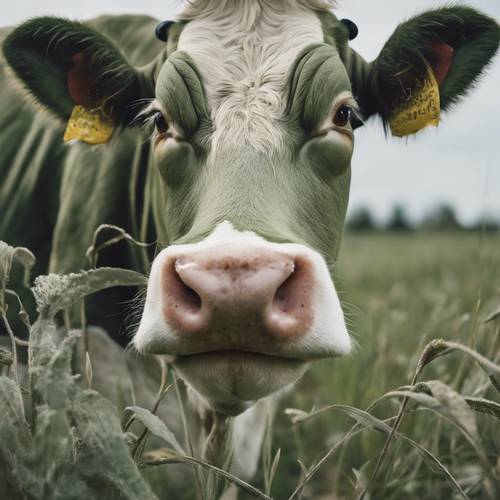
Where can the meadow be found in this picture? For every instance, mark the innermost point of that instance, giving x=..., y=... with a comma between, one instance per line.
x=400, y=292
x=333, y=436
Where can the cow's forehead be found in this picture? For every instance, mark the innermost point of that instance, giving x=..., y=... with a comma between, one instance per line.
x=243, y=52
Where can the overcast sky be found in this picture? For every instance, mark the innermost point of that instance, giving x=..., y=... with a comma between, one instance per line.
x=459, y=162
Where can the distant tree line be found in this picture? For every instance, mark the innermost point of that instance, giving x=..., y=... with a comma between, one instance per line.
x=441, y=218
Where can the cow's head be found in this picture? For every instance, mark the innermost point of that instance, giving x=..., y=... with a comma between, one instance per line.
x=254, y=107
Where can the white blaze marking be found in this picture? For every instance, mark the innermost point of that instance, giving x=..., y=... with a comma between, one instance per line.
x=244, y=50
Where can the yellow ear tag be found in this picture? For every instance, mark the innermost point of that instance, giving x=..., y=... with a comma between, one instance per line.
x=422, y=108
x=90, y=126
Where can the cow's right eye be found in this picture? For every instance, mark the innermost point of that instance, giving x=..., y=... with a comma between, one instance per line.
x=343, y=116
x=160, y=122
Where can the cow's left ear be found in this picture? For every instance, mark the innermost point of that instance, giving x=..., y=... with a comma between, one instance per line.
x=64, y=64
x=427, y=65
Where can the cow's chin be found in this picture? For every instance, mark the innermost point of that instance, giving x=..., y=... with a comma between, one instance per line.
x=231, y=381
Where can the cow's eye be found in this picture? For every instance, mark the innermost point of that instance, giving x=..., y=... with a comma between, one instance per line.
x=343, y=116
x=160, y=122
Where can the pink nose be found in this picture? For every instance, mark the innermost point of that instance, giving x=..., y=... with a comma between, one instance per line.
x=258, y=290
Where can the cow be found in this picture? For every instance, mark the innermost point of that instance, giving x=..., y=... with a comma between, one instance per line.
x=226, y=137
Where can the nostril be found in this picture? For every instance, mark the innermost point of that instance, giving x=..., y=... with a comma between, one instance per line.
x=180, y=295
x=189, y=297
x=182, y=305
x=283, y=298
x=286, y=296
x=291, y=313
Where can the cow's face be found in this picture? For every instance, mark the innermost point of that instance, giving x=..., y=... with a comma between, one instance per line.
x=253, y=158
x=254, y=115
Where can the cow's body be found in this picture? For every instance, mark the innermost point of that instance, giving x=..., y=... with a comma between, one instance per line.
x=244, y=185
x=53, y=196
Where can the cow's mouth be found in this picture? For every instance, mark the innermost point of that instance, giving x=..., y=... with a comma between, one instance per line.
x=231, y=378
x=238, y=355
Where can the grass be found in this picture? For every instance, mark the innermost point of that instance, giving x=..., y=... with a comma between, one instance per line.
x=400, y=292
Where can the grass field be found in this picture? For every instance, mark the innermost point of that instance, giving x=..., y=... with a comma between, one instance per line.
x=401, y=291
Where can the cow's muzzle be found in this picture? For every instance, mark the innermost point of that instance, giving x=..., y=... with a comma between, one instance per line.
x=238, y=295
x=242, y=316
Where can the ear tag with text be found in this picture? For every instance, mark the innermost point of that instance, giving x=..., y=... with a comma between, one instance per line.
x=90, y=126
x=421, y=109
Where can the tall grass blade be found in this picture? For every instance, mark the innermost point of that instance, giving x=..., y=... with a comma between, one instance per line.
x=368, y=421
x=165, y=456
x=156, y=427
x=56, y=292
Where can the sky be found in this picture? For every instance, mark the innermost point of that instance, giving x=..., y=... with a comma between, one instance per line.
x=457, y=163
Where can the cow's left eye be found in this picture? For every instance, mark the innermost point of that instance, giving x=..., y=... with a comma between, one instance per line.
x=343, y=116
x=160, y=122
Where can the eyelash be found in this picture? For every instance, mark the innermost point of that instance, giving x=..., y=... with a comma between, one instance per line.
x=154, y=117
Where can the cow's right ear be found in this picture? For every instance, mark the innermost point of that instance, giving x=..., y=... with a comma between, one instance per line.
x=63, y=64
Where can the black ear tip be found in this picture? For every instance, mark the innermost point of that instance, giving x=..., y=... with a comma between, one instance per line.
x=161, y=30
x=353, y=29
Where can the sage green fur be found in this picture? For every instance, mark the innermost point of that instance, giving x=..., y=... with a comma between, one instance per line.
x=180, y=89
x=53, y=196
x=71, y=188
x=311, y=87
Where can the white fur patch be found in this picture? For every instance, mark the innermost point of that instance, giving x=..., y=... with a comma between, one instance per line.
x=327, y=336
x=244, y=49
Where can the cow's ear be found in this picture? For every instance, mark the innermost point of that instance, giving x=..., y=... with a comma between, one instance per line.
x=429, y=62
x=64, y=64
